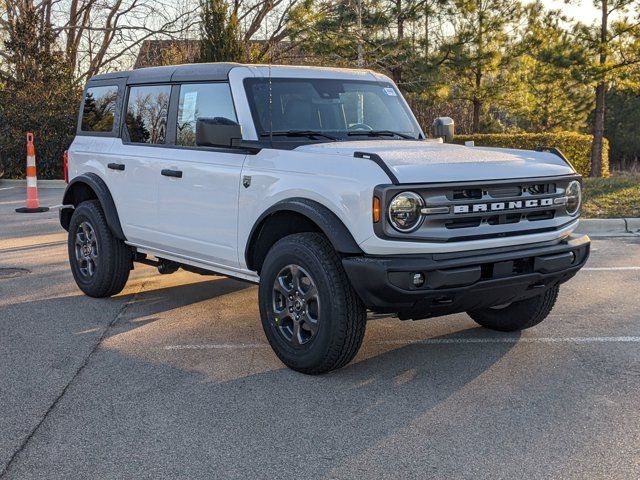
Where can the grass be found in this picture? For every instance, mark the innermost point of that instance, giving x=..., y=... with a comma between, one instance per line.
x=615, y=197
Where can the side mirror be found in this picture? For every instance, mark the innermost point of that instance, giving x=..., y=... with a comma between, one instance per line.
x=443, y=127
x=217, y=132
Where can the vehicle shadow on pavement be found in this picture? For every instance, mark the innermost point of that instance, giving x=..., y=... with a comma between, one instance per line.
x=71, y=315
x=142, y=306
x=131, y=416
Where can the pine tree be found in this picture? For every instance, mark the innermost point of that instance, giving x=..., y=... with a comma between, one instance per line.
x=480, y=51
x=220, y=33
x=352, y=33
x=552, y=95
x=615, y=46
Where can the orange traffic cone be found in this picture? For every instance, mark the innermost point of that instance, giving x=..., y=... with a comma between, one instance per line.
x=33, y=205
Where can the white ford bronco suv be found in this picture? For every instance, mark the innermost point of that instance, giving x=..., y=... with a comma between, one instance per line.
x=319, y=185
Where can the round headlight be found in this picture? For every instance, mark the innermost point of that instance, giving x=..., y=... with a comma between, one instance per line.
x=574, y=197
x=404, y=211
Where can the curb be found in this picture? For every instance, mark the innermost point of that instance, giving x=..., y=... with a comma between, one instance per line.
x=633, y=225
x=610, y=227
x=41, y=183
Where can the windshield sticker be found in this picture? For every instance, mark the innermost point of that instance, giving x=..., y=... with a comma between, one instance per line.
x=390, y=91
x=189, y=106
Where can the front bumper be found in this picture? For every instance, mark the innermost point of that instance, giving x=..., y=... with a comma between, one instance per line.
x=463, y=281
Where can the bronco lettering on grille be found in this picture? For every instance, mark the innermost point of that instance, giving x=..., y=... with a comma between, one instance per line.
x=499, y=206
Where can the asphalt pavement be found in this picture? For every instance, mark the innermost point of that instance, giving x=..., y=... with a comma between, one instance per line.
x=173, y=378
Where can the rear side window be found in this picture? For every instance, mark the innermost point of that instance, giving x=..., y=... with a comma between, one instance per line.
x=203, y=100
x=99, y=108
x=147, y=111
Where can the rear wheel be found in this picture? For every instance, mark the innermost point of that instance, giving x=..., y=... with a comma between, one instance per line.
x=311, y=316
x=517, y=315
x=99, y=261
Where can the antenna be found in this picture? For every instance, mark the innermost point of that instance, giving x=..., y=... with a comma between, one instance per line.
x=268, y=42
x=270, y=107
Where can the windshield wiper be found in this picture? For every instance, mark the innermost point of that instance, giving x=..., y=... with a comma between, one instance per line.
x=381, y=133
x=299, y=133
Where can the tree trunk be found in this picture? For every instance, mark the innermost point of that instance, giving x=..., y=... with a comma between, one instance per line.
x=427, y=32
x=477, y=106
x=397, y=70
x=477, y=103
x=360, y=47
x=400, y=19
x=598, y=120
x=598, y=132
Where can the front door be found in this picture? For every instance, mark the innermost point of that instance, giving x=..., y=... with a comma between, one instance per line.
x=198, y=186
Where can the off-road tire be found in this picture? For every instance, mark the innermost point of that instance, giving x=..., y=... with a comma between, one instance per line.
x=114, y=259
x=517, y=315
x=342, y=315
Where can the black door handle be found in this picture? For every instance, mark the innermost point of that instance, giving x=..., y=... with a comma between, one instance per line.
x=171, y=173
x=116, y=166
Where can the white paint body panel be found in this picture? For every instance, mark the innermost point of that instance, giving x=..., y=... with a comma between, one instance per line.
x=434, y=162
x=344, y=185
x=206, y=217
x=198, y=213
x=135, y=190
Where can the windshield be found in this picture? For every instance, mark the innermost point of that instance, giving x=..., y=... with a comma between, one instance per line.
x=328, y=109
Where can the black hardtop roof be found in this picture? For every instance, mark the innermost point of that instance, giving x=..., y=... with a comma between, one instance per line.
x=172, y=73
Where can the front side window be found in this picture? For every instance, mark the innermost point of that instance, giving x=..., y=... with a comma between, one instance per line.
x=147, y=111
x=210, y=101
x=99, y=107
x=344, y=109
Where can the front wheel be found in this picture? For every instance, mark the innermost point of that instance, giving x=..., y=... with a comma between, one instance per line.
x=311, y=316
x=517, y=315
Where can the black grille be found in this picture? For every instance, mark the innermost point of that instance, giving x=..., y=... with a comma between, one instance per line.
x=484, y=210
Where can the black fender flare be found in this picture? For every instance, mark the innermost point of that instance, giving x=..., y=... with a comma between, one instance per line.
x=76, y=193
x=327, y=221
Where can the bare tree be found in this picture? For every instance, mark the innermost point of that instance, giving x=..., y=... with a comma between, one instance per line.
x=100, y=34
x=265, y=20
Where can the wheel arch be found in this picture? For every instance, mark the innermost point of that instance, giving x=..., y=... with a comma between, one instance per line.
x=89, y=186
x=296, y=215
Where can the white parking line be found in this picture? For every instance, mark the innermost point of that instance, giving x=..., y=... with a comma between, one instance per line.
x=6, y=188
x=428, y=341
x=216, y=346
x=604, y=269
x=444, y=341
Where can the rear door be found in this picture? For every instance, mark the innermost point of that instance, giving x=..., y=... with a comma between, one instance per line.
x=198, y=186
x=136, y=167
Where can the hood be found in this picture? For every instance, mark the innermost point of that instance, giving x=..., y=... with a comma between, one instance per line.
x=430, y=161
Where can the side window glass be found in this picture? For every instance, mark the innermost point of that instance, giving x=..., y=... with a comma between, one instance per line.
x=203, y=101
x=98, y=110
x=147, y=111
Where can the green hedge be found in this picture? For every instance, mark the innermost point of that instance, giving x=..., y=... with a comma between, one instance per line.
x=575, y=146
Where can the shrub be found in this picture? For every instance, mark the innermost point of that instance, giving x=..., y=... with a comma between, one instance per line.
x=575, y=146
x=50, y=115
x=38, y=95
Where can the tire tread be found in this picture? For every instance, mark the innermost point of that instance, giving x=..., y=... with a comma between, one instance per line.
x=117, y=255
x=350, y=331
